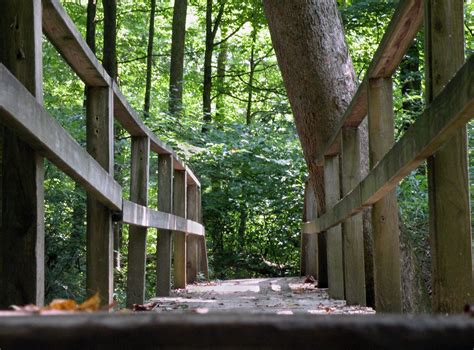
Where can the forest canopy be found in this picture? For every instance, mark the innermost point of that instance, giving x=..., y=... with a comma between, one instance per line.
x=222, y=105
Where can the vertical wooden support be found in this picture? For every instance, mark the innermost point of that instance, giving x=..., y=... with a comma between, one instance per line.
x=22, y=171
x=137, y=235
x=448, y=182
x=100, y=143
x=202, y=248
x=352, y=229
x=385, y=212
x=310, y=240
x=165, y=204
x=179, y=238
x=335, y=253
x=192, y=241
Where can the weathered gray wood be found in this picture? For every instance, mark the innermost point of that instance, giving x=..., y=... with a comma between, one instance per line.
x=448, y=180
x=22, y=172
x=398, y=37
x=149, y=331
x=100, y=143
x=202, y=247
x=385, y=229
x=335, y=253
x=191, y=240
x=34, y=125
x=137, y=235
x=165, y=204
x=179, y=238
x=138, y=215
x=352, y=230
x=449, y=111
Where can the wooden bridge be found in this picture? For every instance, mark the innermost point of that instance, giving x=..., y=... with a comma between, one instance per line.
x=332, y=240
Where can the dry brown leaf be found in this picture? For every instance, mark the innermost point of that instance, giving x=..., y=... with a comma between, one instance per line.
x=91, y=304
x=145, y=307
x=62, y=305
x=309, y=279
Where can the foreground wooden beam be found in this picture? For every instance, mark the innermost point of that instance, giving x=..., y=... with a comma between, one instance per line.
x=192, y=247
x=450, y=110
x=179, y=238
x=153, y=331
x=22, y=170
x=448, y=180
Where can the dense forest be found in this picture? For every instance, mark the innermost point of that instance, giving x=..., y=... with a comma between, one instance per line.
x=205, y=78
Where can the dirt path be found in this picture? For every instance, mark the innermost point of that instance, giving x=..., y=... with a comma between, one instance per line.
x=264, y=295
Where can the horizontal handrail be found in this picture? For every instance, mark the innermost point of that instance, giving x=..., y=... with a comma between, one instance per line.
x=68, y=41
x=450, y=110
x=21, y=111
x=139, y=215
x=398, y=37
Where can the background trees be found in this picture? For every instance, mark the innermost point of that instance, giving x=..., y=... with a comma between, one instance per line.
x=249, y=159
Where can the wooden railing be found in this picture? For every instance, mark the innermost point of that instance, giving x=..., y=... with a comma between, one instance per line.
x=179, y=191
x=445, y=116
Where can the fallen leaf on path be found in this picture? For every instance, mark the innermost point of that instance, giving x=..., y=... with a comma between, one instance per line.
x=309, y=279
x=145, y=307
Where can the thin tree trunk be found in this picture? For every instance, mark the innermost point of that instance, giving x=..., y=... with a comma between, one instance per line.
x=211, y=31
x=149, y=59
x=90, y=25
x=251, y=77
x=177, y=57
x=110, y=37
x=220, y=82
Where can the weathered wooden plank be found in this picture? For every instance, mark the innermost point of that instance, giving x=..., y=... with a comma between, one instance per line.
x=202, y=248
x=23, y=113
x=399, y=35
x=179, y=238
x=448, y=180
x=100, y=145
x=385, y=230
x=450, y=110
x=164, y=244
x=352, y=230
x=139, y=215
x=63, y=34
x=335, y=253
x=137, y=235
x=22, y=170
x=192, y=241
x=311, y=241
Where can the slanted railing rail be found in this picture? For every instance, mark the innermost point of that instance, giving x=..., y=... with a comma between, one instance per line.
x=438, y=133
x=22, y=114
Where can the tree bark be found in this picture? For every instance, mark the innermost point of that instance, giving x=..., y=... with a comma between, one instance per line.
x=149, y=59
x=90, y=25
x=177, y=57
x=248, y=117
x=110, y=37
x=317, y=70
x=211, y=31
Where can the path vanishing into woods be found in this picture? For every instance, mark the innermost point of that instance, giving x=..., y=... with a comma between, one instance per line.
x=284, y=296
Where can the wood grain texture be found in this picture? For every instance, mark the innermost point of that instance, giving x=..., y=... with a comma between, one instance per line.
x=310, y=241
x=385, y=230
x=179, y=238
x=448, y=179
x=164, y=243
x=335, y=252
x=450, y=110
x=191, y=241
x=22, y=171
x=137, y=235
x=100, y=145
x=352, y=230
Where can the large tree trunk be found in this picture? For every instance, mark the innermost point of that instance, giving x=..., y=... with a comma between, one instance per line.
x=177, y=57
x=110, y=37
x=149, y=59
x=317, y=71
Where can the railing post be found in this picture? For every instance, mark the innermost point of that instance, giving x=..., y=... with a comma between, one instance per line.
x=448, y=181
x=385, y=212
x=100, y=143
x=335, y=253
x=352, y=229
x=202, y=248
x=137, y=235
x=22, y=171
x=192, y=240
x=165, y=204
x=310, y=241
x=179, y=238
